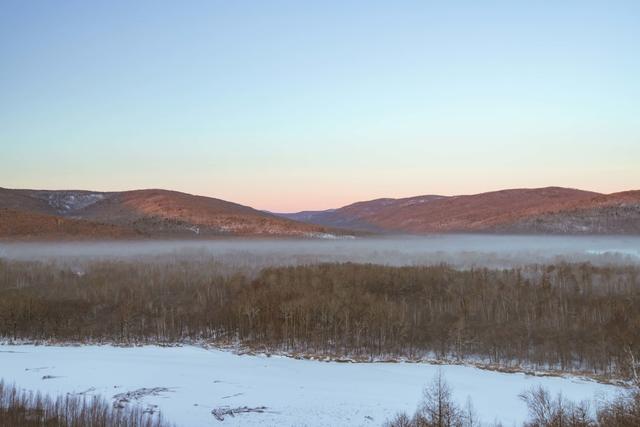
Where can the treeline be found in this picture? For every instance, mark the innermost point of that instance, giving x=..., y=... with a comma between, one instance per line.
x=566, y=316
x=21, y=408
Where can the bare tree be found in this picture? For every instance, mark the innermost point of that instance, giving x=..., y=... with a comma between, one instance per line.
x=437, y=408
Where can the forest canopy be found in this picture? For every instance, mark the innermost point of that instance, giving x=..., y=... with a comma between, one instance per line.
x=573, y=317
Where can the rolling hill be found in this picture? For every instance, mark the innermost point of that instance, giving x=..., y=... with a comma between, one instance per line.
x=44, y=214
x=139, y=213
x=550, y=210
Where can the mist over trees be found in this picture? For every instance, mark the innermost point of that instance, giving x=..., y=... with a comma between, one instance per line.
x=573, y=317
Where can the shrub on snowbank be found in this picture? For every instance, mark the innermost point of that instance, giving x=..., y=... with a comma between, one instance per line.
x=20, y=408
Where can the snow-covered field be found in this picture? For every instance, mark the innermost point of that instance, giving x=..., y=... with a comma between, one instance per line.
x=294, y=392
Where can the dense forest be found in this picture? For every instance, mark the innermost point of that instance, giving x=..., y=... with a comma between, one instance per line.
x=574, y=317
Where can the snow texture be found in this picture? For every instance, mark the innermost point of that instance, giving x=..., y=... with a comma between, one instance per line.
x=69, y=201
x=193, y=386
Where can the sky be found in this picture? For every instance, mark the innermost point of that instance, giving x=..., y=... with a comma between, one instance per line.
x=290, y=105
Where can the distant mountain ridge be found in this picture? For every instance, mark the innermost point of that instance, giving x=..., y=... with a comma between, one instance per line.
x=138, y=213
x=549, y=210
x=359, y=215
x=159, y=213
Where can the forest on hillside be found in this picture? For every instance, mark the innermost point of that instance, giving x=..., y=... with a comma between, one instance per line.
x=572, y=317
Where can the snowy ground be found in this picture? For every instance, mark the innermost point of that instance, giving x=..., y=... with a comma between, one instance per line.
x=295, y=392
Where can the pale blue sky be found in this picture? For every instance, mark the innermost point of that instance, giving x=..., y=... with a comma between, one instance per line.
x=294, y=105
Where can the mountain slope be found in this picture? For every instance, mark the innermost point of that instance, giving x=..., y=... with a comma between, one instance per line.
x=617, y=213
x=21, y=200
x=361, y=216
x=34, y=225
x=540, y=210
x=174, y=212
x=479, y=212
x=150, y=213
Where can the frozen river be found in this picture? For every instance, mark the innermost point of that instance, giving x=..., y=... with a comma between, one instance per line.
x=295, y=392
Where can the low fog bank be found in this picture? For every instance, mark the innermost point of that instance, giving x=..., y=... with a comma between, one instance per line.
x=458, y=250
